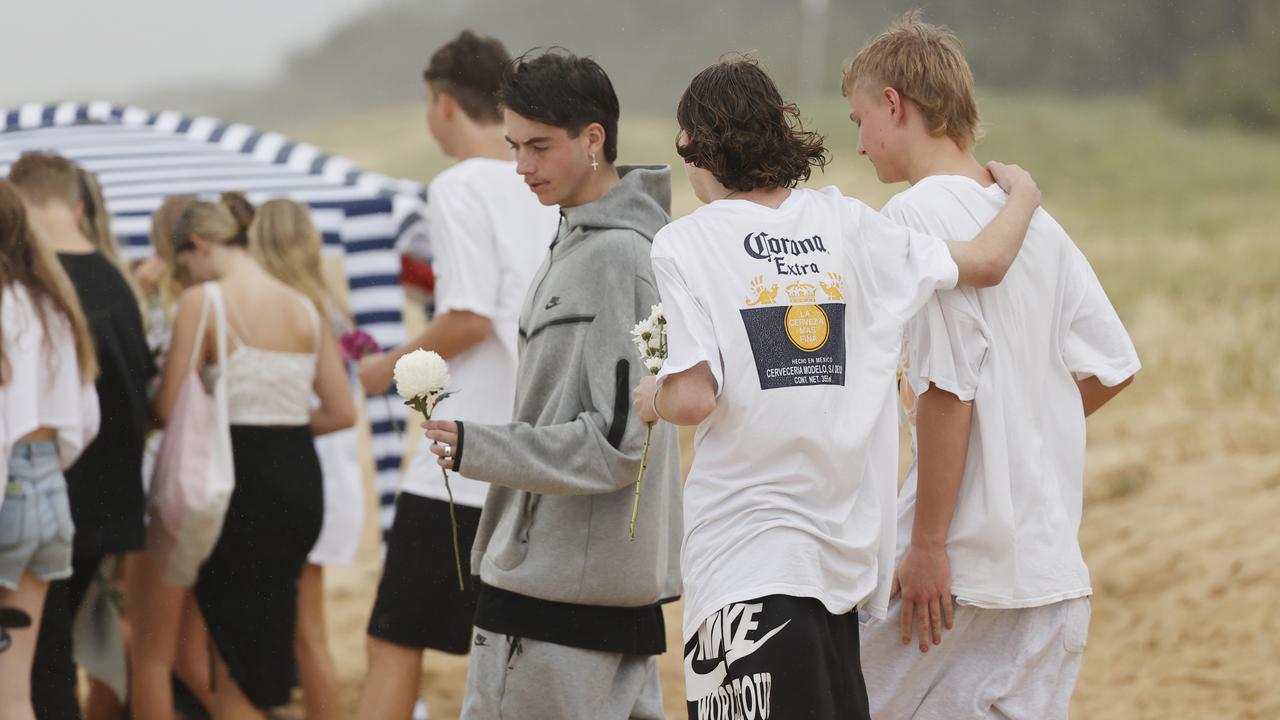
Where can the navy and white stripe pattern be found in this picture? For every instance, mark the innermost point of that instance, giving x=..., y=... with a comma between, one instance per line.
x=140, y=157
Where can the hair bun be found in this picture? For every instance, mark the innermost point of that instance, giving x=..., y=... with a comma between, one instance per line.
x=242, y=210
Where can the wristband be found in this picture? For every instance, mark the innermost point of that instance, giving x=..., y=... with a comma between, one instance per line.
x=654, y=403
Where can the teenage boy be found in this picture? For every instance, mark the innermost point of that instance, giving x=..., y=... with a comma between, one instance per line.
x=785, y=310
x=1005, y=376
x=569, y=618
x=488, y=234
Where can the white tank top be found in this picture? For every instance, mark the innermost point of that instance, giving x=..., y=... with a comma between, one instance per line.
x=271, y=387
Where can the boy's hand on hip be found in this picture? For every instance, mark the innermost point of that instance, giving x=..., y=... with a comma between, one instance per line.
x=923, y=579
x=444, y=437
x=642, y=399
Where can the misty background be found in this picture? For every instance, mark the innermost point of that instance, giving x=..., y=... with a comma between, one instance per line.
x=287, y=61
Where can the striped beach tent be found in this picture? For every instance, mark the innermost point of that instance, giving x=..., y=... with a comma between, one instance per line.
x=141, y=156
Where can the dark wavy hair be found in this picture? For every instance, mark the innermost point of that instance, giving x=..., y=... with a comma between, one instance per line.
x=740, y=129
x=557, y=88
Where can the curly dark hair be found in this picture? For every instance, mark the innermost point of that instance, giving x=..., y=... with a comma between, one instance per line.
x=740, y=129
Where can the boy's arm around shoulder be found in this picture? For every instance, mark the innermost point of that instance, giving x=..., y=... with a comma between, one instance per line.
x=984, y=261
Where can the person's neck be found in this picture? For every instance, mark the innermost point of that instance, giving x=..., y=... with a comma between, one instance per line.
x=769, y=197
x=57, y=223
x=597, y=183
x=481, y=141
x=941, y=156
x=233, y=262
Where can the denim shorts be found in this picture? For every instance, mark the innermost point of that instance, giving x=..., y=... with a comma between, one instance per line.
x=35, y=519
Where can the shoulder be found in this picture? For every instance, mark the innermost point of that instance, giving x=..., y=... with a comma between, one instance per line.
x=617, y=253
x=192, y=299
x=668, y=239
x=472, y=174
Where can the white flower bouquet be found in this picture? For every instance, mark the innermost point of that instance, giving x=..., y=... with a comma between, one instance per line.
x=421, y=378
x=650, y=337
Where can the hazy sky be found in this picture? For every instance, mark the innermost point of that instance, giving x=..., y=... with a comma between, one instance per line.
x=108, y=49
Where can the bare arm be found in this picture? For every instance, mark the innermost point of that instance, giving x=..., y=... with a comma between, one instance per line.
x=924, y=574
x=687, y=397
x=984, y=261
x=1093, y=394
x=337, y=410
x=450, y=335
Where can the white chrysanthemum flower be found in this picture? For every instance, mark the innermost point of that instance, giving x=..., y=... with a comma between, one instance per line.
x=421, y=374
x=654, y=364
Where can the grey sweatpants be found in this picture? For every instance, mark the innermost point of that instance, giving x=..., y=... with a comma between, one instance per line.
x=518, y=678
x=992, y=665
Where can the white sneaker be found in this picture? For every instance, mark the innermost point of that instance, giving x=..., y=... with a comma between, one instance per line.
x=421, y=711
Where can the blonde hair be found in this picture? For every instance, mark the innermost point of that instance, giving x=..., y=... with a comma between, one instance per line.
x=164, y=221
x=925, y=63
x=26, y=260
x=286, y=244
x=212, y=222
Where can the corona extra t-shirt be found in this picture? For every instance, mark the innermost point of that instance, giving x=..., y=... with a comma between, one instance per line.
x=799, y=312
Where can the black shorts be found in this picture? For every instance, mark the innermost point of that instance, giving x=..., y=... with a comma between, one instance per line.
x=419, y=604
x=775, y=657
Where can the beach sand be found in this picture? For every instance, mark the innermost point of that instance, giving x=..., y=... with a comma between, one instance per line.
x=1180, y=531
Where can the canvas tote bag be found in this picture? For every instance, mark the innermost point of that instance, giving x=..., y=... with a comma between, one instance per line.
x=194, y=473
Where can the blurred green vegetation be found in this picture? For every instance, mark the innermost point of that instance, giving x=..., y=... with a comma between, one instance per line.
x=1205, y=61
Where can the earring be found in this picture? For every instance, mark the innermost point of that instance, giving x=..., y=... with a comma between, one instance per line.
x=594, y=165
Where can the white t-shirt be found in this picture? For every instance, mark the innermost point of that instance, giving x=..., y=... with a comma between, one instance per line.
x=489, y=234
x=42, y=386
x=1016, y=351
x=799, y=312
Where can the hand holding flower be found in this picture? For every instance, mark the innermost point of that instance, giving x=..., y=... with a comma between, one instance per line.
x=444, y=437
x=643, y=397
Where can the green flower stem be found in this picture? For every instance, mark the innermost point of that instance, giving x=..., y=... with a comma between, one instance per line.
x=420, y=404
x=453, y=521
x=644, y=465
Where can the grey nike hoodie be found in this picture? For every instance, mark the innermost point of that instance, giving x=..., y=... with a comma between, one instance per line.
x=554, y=524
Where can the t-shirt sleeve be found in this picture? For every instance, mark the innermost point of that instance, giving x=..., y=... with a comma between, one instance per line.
x=466, y=262
x=1096, y=344
x=947, y=346
x=691, y=336
x=908, y=265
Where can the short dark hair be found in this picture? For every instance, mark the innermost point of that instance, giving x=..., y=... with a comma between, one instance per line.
x=559, y=88
x=741, y=130
x=470, y=68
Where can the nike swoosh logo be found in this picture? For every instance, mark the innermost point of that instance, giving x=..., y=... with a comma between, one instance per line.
x=699, y=685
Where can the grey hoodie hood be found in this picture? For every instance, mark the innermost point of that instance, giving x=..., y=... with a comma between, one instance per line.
x=641, y=201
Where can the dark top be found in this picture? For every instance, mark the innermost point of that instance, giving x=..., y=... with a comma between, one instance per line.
x=105, y=484
x=623, y=630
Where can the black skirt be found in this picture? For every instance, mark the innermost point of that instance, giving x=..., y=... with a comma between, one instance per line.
x=248, y=588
